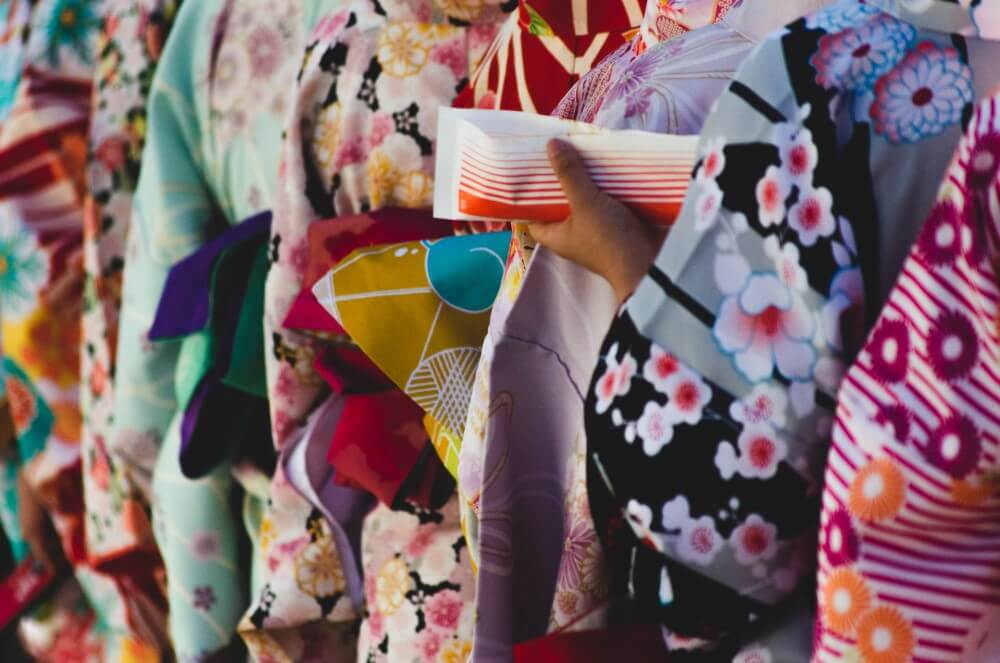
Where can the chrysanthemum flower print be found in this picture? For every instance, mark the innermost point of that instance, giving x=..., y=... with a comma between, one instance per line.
x=926, y=93
x=845, y=598
x=765, y=326
x=885, y=635
x=24, y=268
x=877, y=491
x=839, y=539
x=855, y=58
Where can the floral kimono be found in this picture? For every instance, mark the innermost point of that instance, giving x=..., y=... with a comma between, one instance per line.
x=534, y=371
x=214, y=112
x=709, y=411
x=43, y=151
x=361, y=138
x=14, y=15
x=910, y=501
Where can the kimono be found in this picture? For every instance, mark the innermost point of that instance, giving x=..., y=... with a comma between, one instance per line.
x=525, y=428
x=708, y=415
x=906, y=570
x=214, y=112
x=43, y=151
x=14, y=15
x=360, y=138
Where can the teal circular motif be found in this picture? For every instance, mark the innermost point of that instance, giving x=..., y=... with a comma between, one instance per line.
x=466, y=271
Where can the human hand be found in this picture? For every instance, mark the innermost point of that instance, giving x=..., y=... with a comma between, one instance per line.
x=600, y=234
x=36, y=528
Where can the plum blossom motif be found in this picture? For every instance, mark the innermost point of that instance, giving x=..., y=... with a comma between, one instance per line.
x=659, y=368
x=688, y=396
x=656, y=427
x=755, y=540
x=786, y=263
x=766, y=404
x=699, y=541
x=616, y=381
x=765, y=326
x=761, y=450
x=714, y=161
x=772, y=191
x=708, y=207
x=812, y=215
x=799, y=154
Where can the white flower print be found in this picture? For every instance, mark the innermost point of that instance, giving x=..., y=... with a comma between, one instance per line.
x=708, y=207
x=761, y=450
x=731, y=269
x=660, y=366
x=754, y=541
x=656, y=427
x=616, y=381
x=766, y=326
x=786, y=263
x=675, y=513
x=640, y=517
x=726, y=460
x=812, y=215
x=766, y=404
x=688, y=397
x=699, y=541
x=798, y=153
x=754, y=654
x=714, y=162
x=772, y=192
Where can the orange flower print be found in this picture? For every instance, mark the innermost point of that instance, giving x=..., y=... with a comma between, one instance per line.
x=885, y=636
x=877, y=491
x=973, y=491
x=22, y=404
x=67, y=422
x=845, y=597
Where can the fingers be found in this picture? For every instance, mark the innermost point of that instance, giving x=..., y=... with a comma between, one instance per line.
x=572, y=173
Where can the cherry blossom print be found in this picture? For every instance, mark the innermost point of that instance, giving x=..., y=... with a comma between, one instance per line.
x=799, y=154
x=754, y=541
x=923, y=95
x=699, y=541
x=754, y=654
x=984, y=161
x=688, y=395
x=952, y=346
x=940, y=242
x=616, y=381
x=844, y=598
x=877, y=491
x=954, y=446
x=897, y=419
x=772, y=191
x=839, y=539
x=766, y=326
x=708, y=206
x=855, y=58
x=675, y=513
x=766, y=404
x=761, y=450
x=659, y=368
x=889, y=349
x=444, y=609
x=714, y=161
x=812, y=216
x=640, y=517
x=656, y=427
x=786, y=263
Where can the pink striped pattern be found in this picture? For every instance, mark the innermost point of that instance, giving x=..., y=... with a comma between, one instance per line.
x=909, y=565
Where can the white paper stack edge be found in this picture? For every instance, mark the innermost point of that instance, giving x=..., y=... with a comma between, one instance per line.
x=493, y=165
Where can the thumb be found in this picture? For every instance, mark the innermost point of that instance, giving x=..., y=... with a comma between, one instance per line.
x=572, y=173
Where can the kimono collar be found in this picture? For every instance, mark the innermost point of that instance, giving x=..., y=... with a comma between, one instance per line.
x=666, y=19
x=757, y=19
x=981, y=20
x=567, y=19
